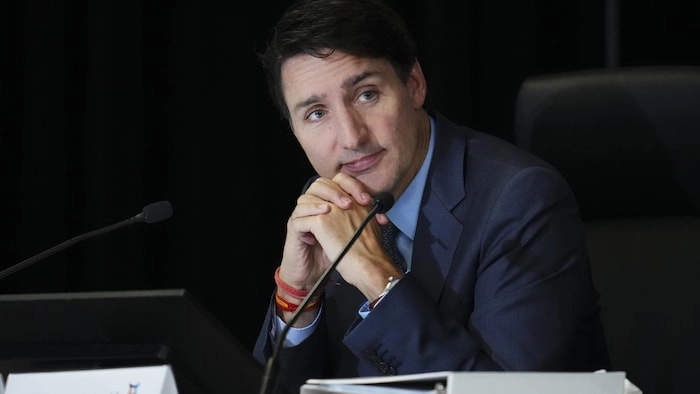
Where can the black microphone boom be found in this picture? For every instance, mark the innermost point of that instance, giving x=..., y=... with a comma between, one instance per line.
x=381, y=204
x=151, y=213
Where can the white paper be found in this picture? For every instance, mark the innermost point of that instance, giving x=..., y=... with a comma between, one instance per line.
x=446, y=382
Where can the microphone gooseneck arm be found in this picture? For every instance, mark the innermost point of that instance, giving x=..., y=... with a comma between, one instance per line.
x=381, y=204
x=151, y=213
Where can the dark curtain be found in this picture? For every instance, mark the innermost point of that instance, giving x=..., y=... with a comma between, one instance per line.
x=108, y=106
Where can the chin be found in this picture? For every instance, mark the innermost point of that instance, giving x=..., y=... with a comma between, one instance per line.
x=374, y=183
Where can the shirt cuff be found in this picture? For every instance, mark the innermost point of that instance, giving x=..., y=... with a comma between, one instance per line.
x=295, y=335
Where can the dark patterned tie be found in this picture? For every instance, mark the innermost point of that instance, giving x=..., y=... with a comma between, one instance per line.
x=389, y=232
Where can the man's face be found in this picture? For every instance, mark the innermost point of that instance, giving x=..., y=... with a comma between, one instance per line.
x=354, y=115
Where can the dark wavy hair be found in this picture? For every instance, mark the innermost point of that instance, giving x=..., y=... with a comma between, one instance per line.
x=363, y=28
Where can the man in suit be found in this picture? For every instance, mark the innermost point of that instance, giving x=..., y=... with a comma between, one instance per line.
x=497, y=275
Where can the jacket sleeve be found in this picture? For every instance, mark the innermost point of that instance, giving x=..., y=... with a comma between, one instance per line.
x=294, y=364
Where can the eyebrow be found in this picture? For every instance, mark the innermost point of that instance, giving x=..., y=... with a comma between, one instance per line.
x=347, y=84
x=354, y=80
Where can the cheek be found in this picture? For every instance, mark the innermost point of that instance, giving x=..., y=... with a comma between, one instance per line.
x=397, y=132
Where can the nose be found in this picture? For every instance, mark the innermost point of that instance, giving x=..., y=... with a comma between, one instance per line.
x=352, y=129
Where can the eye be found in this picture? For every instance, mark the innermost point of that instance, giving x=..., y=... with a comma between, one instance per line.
x=315, y=115
x=368, y=95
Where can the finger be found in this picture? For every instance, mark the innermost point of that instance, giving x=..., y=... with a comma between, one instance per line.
x=382, y=219
x=352, y=187
x=310, y=205
x=327, y=190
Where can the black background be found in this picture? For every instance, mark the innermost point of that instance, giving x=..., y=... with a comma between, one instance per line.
x=108, y=106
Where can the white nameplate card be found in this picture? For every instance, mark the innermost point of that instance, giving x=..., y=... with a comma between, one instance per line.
x=130, y=380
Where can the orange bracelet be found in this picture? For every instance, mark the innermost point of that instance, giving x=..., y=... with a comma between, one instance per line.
x=289, y=307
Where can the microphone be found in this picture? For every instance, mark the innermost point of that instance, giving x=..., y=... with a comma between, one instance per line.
x=151, y=213
x=382, y=202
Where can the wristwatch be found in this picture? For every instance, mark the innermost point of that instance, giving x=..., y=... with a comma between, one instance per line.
x=391, y=282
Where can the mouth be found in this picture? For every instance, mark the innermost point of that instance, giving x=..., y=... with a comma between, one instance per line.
x=363, y=164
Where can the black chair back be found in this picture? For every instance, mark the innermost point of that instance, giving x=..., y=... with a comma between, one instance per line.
x=627, y=139
x=628, y=142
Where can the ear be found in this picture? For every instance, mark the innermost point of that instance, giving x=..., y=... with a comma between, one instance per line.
x=417, y=86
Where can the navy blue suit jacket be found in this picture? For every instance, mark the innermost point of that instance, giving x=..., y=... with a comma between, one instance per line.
x=500, y=279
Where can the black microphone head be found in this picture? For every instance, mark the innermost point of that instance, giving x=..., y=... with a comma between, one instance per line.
x=157, y=211
x=383, y=201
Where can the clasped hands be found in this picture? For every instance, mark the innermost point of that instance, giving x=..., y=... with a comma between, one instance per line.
x=324, y=220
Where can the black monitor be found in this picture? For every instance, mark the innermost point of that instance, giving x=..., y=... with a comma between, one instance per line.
x=69, y=331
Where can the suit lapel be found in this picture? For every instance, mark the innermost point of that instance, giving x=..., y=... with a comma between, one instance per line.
x=435, y=241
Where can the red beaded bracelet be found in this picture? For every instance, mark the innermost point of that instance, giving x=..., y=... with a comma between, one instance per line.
x=289, y=307
x=296, y=293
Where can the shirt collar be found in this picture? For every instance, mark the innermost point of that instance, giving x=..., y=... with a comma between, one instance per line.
x=404, y=212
